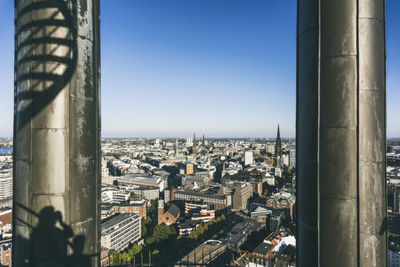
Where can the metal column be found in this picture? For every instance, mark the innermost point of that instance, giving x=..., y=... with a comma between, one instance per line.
x=341, y=133
x=56, y=133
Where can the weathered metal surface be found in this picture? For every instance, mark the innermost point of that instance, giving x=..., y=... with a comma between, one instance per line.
x=341, y=133
x=56, y=132
x=307, y=116
x=372, y=134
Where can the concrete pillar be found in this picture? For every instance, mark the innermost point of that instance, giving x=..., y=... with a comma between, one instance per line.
x=56, y=133
x=341, y=133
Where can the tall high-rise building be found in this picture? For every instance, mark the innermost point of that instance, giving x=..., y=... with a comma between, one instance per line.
x=204, y=141
x=176, y=147
x=242, y=193
x=118, y=232
x=248, y=158
x=278, y=149
x=292, y=158
x=6, y=185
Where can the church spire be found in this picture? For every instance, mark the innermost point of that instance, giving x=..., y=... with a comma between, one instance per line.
x=194, y=143
x=278, y=136
x=278, y=148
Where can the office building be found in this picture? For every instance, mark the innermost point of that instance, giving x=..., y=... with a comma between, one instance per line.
x=141, y=180
x=275, y=220
x=189, y=169
x=117, y=232
x=214, y=201
x=6, y=185
x=190, y=179
x=147, y=192
x=248, y=158
x=240, y=232
x=292, y=158
x=135, y=206
x=194, y=206
x=203, y=215
x=241, y=193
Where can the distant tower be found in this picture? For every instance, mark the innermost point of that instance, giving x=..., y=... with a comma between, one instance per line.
x=278, y=149
x=160, y=211
x=176, y=147
x=204, y=141
x=194, y=143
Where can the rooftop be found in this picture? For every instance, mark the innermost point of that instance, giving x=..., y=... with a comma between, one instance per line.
x=110, y=222
x=174, y=210
x=200, y=194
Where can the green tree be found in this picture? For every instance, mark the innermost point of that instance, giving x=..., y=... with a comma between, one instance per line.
x=193, y=235
x=143, y=229
x=135, y=249
x=125, y=258
x=150, y=240
x=116, y=257
x=145, y=222
x=153, y=205
x=200, y=230
x=160, y=233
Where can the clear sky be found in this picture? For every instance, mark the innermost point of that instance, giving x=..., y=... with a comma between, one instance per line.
x=218, y=67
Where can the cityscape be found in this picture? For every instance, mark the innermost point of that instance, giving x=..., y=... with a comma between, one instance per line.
x=210, y=201
x=179, y=133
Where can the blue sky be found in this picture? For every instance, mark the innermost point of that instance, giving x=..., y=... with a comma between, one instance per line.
x=222, y=67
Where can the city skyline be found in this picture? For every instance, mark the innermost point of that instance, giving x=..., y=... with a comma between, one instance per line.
x=97, y=177
x=209, y=66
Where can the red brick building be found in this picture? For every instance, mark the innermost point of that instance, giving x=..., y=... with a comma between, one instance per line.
x=168, y=217
x=138, y=207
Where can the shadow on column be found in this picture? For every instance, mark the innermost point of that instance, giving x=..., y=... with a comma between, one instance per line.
x=46, y=54
x=51, y=239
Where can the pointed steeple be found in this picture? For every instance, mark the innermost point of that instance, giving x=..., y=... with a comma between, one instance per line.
x=278, y=136
x=194, y=143
x=278, y=148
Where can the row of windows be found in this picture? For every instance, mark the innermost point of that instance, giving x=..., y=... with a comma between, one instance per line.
x=121, y=224
x=199, y=198
x=125, y=240
x=121, y=231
